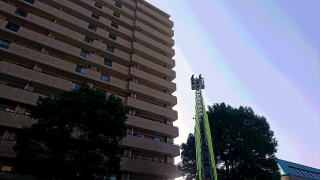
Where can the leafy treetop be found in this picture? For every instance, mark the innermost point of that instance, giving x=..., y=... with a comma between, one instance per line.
x=243, y=143
x=77, y=136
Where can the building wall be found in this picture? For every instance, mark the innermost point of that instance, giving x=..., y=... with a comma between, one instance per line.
x=293, y=178
x=285, y=177
x=127, y=42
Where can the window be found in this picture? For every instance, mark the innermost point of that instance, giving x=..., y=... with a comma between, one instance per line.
x=92, y=27
x=7, y=135
x=13, y=27
x=104, y=77
x=75, y=86
x=112, y=36
x=138, y=135
x=115, y=25
x=113, y=178
x=88, y=40
x=81, y=69
x=98, y=5
x=85, y=54
x=30, y=1
x=2, y=108
x=110, y=49
x=21, y=12
x=119, y=5
x=157, y=139
x=95, y=16
x=116, y=14
x=4, y=43
x=6, y=168
x=107, y=62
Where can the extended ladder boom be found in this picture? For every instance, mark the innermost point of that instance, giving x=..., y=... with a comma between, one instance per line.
x=205, y=157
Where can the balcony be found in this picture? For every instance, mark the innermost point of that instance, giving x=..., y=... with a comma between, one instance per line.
x=18, y=95
x=156, y=110
x=123, y=9
x=86, y=15
x=56, y=13
x=120, y=28
x=149, y=167
x=154, y=14
x=45, y=41
x=156, y=44
x=6, y=149
x=155, y=67
x=116, y=83
x=153, y=33
x=128, y=3
x=120, y=41
x=34, y=76
x=150, y=145
x=11, y=119
x=80, y=28
x=105, y=21
x=150, y=125
x=155, y=56
x=10, y=176
x=104, y=10
x=153, y=94
x=156, y=25
x=154, y=80
x=22, y=53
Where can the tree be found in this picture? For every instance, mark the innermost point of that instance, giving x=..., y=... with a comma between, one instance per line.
x=77, y=136
x=243, y=143
x=188, y=157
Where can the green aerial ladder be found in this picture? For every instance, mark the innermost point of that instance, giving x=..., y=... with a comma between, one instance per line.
x=206, y=165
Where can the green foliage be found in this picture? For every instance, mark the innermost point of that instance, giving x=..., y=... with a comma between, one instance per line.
x=188, y=156
x=76, y=136
x=243, y=144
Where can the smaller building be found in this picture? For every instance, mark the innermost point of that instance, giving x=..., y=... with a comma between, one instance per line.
x=293, y=171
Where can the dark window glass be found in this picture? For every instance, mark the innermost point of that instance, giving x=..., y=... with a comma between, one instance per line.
x=112, y=36
x=75, y=85
x=113, y=178
x=119, y=5
x=110, y=48
x=30, y=1
x=80, y=69
x=2, y=108
x=95, y=16
x=88, y=40
x=138, y=135
x=98, y=5
x=21, y=12
x=104, y=77
x=13, y=27
x=7, y=135
x=92, y=27
x=85, y=54
x=107, y=62
x=115, y=25
x=116, y=14
x=4, y=43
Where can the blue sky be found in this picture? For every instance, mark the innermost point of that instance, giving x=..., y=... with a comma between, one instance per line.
x=263, y=54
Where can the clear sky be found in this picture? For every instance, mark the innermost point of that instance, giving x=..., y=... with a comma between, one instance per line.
x=259, y=53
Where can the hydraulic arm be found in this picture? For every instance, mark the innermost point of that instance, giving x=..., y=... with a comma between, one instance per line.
x=205, y=156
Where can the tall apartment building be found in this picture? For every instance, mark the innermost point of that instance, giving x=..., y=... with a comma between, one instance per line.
x=121, y=46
